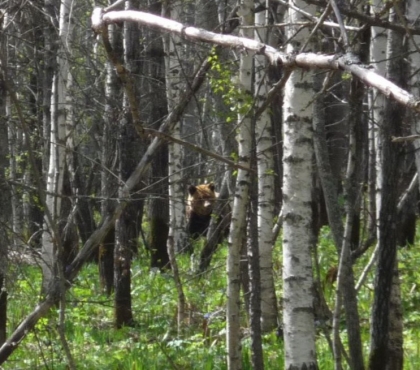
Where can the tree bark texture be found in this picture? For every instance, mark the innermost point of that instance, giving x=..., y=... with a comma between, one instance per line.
x=174, y=85
x=51, y=243
x=298, y=315
x=4, y=194
x=130, y=146
x=125, y=237
x=109, y=161
x=240, y=203
x=388, y=178
x=265, y=165
x=254, y=269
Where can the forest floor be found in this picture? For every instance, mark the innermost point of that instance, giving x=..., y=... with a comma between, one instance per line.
x=154, y=342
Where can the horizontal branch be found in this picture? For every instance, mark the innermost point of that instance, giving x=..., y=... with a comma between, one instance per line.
x=347, y=62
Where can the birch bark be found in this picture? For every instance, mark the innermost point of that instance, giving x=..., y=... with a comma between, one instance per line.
x=240, y=203
x=109, y=185
x=173, y=77
x=377, y=100
x=56, y=166
x=298, y=316
x=177, y=237
x=265, y=163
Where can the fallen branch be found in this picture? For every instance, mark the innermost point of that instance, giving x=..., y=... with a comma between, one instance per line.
x=347, y=62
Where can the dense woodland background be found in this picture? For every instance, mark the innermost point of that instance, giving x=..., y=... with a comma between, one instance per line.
x=109, y=114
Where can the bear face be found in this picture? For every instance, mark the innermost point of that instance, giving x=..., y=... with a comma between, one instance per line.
x=201, y=199
x=200, y=206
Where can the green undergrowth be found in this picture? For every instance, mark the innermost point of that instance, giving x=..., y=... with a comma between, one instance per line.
x=154, y=342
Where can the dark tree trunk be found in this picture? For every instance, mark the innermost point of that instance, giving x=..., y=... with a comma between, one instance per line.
x=106, y=262
x=84, y=213
x=32, y=209
x=406, y=227
x=345, y=272
x=130, y=147
x=67, y=225
x=125, y=236
x=5, y=209
x=380, y=354
x=159, y=202
x=352, y=191
x=3, y=308
x=159, y=230
x=159, y=211
x=109, y=185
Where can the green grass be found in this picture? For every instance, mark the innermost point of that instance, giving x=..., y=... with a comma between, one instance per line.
x=153, y=343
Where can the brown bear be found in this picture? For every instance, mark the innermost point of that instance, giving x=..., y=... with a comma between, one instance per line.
x=200, y=206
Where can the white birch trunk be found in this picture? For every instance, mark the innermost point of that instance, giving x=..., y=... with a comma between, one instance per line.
x=377, y=100
x=298, y=316
x=172, y=46
x=56, y=165
x=265, y=163
x=240, y=203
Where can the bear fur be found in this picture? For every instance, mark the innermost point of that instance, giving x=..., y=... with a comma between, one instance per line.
x=200, y=204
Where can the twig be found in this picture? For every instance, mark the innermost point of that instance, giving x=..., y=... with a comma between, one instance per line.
x=196, y=148
x=319, y=23
x=341, y=23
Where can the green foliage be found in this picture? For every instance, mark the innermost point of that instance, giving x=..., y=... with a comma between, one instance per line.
x=155, y=344
x=223, y=81
x=410, y=293
x=346, y=76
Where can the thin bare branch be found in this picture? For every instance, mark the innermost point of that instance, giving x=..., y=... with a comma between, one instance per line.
x=341, y=23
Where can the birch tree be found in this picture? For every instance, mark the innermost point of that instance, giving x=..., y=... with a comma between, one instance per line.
x=265, y=163
x=298, y=316
x=240, y=203
x=177, y=237
x=306, y=60
x=377, y=100
x=108, y=158
x=56, y=167
x=174, y=86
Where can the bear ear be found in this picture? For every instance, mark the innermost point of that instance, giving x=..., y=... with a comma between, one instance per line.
x=211, y=186
x=192, y=189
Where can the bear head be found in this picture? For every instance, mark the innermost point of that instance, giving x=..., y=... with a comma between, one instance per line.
x=201, y=199
x=200, y=206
